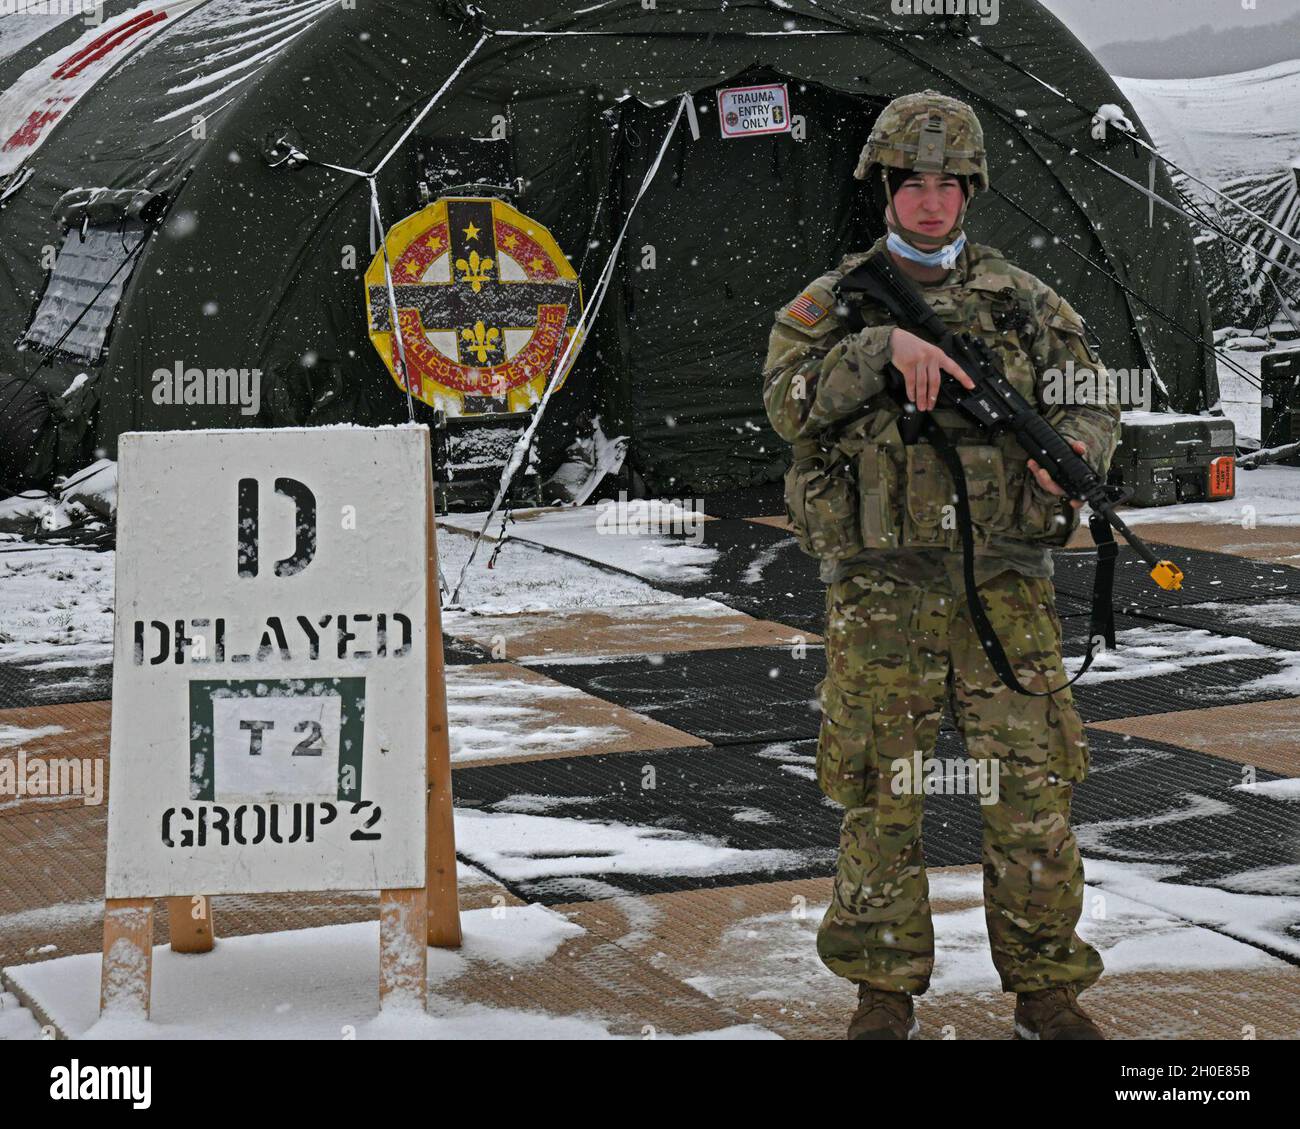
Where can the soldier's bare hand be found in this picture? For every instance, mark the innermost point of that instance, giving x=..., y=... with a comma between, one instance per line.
x=921, y=363
x=1048, y=483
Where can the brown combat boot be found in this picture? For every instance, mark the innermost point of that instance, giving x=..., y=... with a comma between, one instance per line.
x=1053, y=1013
x=883, y=1015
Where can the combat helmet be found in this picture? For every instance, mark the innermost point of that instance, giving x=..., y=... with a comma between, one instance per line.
x=926, y=132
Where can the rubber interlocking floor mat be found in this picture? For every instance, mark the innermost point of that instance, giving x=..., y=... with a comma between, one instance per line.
x=1068, y=605
x=727, y=696
x=675, y=819
x=23, y=686
x=463, y=652
x=759, y=569
x=1274, y=622
x=646, y=822
x=731, y=696
x=746, y=501
x=1186, y=813
x=1162, y=667
x=1206, y=576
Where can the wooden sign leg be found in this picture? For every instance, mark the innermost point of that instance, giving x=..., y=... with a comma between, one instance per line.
x=403, y=952
x=440, y=849
x=127, y=971
x=189, y=921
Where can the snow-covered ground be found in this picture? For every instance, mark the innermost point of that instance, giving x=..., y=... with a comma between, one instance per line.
x=1153, y=921
x=318, y=984
x=1239, y=392
x=56, y=603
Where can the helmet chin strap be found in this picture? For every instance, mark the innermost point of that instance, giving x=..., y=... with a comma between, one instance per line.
x=926, y=244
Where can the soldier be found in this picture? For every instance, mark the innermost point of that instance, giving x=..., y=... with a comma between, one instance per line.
x=899, y=637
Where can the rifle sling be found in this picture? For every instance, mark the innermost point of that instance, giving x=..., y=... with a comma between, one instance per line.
x=1102, y=622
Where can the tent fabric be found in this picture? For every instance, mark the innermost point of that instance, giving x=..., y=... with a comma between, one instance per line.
x=261, y=268
x=1236, y=133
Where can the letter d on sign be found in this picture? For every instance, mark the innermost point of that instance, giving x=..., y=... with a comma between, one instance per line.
x=248, y=528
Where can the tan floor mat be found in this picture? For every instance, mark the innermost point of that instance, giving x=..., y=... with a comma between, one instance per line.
x=753, y=948
x=589, y=976
x=1279, y=544
x=52, y=891
x=640, y=629
x=1263, y=734
x=77, y=732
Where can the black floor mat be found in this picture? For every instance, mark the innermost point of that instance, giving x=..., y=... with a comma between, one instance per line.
x=759, y=569
x=1206, y=576
x=727, y=696
x=731, y=696
x=767, y=500
x=1178, y=677
x=24, y=686
x=463, y=652
x=1192, y=688
x=1068, y=605
x=1143, y=801
x=1273, y=623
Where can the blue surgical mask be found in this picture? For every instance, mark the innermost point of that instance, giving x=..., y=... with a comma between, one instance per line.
x=945, y=257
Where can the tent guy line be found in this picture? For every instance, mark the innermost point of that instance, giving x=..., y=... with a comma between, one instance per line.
x=593, y=307
x=1137, y=139
x=1240, y=369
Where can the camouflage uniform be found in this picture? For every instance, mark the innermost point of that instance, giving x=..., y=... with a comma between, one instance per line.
x=899, y=639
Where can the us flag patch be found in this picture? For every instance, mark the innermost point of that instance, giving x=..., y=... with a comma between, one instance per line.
x=805, y=311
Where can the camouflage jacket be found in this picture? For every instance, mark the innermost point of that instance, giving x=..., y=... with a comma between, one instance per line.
x=821, y=380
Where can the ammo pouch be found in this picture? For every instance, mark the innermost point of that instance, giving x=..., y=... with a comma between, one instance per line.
x=863, y=488
x=821, y=500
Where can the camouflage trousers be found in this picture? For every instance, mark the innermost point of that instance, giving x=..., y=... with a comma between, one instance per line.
x=895, y=653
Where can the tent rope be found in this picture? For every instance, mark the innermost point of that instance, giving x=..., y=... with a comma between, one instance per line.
x=1241, y=370
x=1290, y=240
x=1006, y=60
x=562, y=364
x=392, y=299
x=294, y=156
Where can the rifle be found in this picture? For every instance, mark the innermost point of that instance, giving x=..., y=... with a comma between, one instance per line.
x=996, y=406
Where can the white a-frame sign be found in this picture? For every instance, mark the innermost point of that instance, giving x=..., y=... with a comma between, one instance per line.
x=279, y=709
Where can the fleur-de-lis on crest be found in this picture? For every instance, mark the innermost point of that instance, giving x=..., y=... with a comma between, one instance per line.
x=476, y=270
x=482, y=340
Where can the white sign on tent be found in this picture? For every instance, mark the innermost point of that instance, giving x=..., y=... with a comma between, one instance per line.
x=751, y=111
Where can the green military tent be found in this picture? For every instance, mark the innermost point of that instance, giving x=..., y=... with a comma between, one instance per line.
x=182, y=115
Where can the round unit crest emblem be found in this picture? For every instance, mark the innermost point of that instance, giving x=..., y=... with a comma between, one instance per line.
x=486, y=301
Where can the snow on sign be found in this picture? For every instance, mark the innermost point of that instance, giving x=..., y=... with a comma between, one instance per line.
x=269, y=675
x=747, y=111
